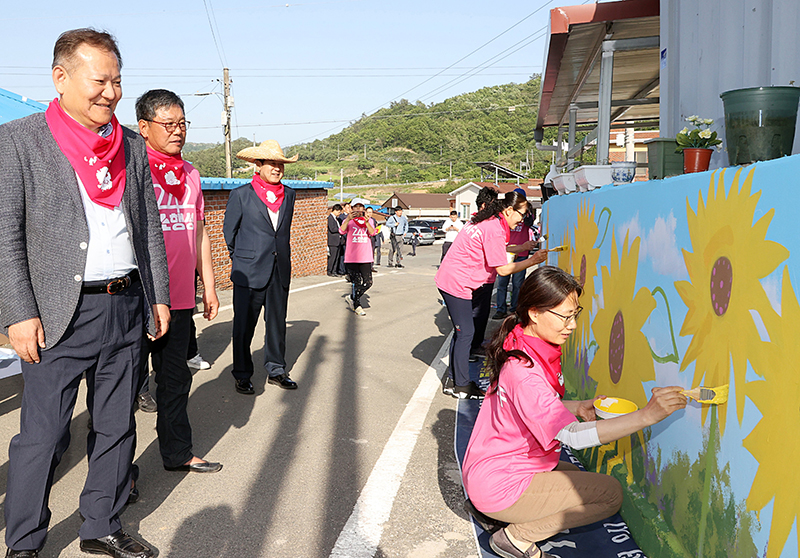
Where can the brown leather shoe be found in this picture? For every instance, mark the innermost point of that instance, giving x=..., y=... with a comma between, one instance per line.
x=118, y=545
x=502, y=546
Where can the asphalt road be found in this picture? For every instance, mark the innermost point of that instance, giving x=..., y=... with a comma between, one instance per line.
x=358, y=462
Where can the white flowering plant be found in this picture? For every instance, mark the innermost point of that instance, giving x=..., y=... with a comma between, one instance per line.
x=699, y=137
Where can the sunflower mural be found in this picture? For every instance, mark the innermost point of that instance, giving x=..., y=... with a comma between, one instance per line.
x=583, y=260
x=623, y=359
x=724, y=285
x=773, y=441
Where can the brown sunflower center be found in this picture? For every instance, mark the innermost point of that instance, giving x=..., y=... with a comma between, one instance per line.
x=721, y=285
x=582, y=278
x=616, y=348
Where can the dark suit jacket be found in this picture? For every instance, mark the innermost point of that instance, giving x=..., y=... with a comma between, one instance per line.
x=43, y=229
x=253, y=243
x=334, y=237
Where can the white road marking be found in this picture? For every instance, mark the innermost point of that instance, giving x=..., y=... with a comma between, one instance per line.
x=361, y=534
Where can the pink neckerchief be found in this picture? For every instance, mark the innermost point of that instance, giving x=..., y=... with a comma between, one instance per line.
x=270, y=194
x=98, y=161
x=169, y=171
x=544, y=353
x=506, y=228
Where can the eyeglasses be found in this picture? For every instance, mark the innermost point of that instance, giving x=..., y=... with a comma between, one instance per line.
x=567, y=319
x=170, y=126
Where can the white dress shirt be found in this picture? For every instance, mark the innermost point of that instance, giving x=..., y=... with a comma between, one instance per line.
x=109, y=253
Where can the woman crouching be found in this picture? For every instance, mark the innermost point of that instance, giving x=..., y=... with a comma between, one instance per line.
x=512, y=471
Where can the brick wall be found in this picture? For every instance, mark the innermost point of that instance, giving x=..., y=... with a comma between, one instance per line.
x=308, y=236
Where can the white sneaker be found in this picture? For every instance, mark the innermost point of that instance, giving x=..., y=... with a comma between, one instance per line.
x=349, y=300
x=360, y=311
x=198, y=363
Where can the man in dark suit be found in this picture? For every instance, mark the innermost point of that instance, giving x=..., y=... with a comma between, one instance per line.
x=335, y=241
x=83, y=263
x=258, y=220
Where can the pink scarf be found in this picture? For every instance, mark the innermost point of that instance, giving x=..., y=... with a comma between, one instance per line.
x=98, y=161
x=270, y=194
x=169, y=171
x=544, y=353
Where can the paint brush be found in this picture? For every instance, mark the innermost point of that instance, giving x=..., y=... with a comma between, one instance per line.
x=559, y=248
x=707, y=395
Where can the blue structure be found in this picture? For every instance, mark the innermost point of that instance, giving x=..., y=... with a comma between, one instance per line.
x=231, y=183
x=13, y=106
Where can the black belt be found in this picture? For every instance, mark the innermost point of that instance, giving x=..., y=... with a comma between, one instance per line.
x=111, y=286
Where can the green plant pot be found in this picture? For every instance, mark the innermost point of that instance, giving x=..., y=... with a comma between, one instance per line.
x=759, y=122
x=662, y=161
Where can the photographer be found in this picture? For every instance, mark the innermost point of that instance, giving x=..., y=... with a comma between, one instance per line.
x=358, y=254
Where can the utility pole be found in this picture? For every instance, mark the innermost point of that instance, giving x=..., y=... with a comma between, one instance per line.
x=365, y=151
x=341, y=185
x=451, y=170
x=226, y=119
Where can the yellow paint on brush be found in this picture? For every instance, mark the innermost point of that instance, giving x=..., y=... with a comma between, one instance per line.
x=707, y=395
x=559, y=248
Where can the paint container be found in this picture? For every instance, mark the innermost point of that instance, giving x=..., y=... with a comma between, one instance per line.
x=612, y=407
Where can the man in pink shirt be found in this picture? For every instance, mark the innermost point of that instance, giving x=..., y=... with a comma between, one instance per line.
x=358, y=254
x=163, y=124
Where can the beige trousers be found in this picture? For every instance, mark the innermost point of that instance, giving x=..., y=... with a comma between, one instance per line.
x=563, y=498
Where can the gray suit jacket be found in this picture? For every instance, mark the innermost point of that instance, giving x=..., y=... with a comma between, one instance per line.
x=43, y=224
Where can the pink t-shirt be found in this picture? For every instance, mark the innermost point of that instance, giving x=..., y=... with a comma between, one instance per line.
x=359, y=244
x=521, y=234
x=179, y=223
x=514, y=436
x=471, y=260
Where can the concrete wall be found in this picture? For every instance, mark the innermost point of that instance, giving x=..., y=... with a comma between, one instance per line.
x=308, y=236
x=690, y=281
x=713, y=46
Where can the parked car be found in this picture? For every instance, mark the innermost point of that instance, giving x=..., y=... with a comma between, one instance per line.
x=433, y=224
x=425, y=235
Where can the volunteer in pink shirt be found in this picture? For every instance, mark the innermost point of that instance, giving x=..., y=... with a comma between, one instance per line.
x=477, y=255
x=358, y=254
x=512, y=471
x=162, y=124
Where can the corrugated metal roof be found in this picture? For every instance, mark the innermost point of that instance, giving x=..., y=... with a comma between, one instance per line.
x=13, y=106
x=572, y=72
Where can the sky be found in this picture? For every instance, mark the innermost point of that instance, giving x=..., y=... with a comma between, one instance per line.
x=301, y=70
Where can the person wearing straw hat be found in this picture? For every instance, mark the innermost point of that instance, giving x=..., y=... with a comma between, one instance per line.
x=258, y=220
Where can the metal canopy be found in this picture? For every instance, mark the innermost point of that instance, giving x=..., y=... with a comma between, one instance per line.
x=500, y=171
x=602, y=65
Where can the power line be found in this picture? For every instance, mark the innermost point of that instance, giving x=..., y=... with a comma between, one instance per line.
x=213, y=35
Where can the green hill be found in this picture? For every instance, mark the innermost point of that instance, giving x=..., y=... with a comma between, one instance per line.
x=414, y=142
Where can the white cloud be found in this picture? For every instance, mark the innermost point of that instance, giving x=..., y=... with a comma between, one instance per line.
x=661, y=247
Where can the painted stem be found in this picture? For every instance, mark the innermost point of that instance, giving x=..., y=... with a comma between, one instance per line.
x=710, y=468
x=608, y=222
x=673, y=357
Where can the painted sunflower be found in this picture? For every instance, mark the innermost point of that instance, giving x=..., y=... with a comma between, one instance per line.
x=775, y=397
x=583, y=258
x=623, y=359
x=724, y=284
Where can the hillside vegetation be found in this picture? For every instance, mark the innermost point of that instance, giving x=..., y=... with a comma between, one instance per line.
x=414, y=142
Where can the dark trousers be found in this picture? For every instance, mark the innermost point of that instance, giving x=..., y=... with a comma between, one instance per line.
x=516, y=280
x=104, y=341
x=247, y=305
x=445, y=247
x=173, y=382
x=376, y=248
x=396, y=248
x=469, y=317
x=340, y=261
x=334, y=255
x=361, y=274
x=481, y=308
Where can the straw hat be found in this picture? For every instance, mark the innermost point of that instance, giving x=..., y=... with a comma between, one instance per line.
x=269, y=150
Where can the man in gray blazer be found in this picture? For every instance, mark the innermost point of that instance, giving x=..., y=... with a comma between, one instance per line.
x=83, y=264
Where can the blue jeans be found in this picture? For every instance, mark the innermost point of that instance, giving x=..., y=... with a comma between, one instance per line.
x=502, y=288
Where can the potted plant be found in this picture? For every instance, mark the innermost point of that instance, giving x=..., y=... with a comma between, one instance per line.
x=697, y=144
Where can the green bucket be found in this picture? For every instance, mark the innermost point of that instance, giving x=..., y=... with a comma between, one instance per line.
x=759, y=122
